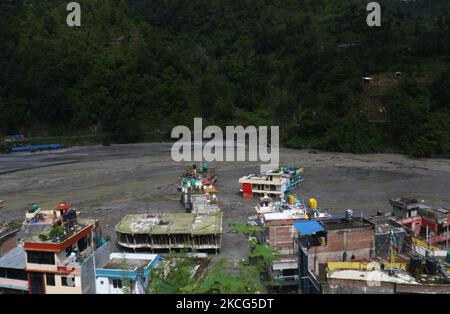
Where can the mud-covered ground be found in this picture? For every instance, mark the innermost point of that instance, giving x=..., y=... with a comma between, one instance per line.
x=110, y=182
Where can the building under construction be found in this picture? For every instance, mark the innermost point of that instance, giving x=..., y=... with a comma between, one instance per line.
x=169, y=231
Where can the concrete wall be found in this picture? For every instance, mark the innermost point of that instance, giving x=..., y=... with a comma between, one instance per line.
x=88, y=282
x=345, y=286
x=88, y=276
x=105, y=286
x=31, y=230
x=15, y=284
x=102, y=255
x=58, y=288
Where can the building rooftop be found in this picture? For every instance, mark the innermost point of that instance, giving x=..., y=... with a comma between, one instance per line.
x=338, y=224
x=171, y=223
x=129, y=261
x=408, y=203
x=373, y=275
x=308, y=227
x=387, y=228
x=46, y=217
x=15, y=259
x=47, y=237
x=128, y=265
x=287, y=214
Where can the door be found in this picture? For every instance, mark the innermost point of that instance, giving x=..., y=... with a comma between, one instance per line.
x=37, y=283
x=247, y=189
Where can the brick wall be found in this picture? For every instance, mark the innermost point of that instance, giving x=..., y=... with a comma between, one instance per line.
x=356, y=242
x=281, y=235
x=7, y=243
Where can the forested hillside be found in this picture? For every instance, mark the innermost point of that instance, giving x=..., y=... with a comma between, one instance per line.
x=139, y=67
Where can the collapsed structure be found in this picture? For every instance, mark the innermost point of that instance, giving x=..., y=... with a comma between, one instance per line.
x=198, y=193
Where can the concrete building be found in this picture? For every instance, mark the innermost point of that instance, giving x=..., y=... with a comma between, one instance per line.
x=62, y=260
x=277, y=220
x=197, y=183
x=125, y=273
x=279, y=234
x=169, y=231
x=13, y=278
x=204, y=202
x=331, y=240
x=38, y=220
x=405, y=208
x=375, y=278
x=426, y=223
x=274, y=183
x=391, y=237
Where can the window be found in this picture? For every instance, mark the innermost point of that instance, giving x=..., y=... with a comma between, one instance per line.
x=83, y=244
x=41, y=257
x=37, y=283
x=50, y=279
x=11, y=273
x=117, y=283
x=67, y=281
x=69, y=250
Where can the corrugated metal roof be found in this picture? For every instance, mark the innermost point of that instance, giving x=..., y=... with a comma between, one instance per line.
x=15, y=259
x=308, y=227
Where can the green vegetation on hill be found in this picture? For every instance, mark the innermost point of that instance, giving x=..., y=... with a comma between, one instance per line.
x=136, y=68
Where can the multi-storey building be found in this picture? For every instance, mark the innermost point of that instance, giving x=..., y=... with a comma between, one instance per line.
x=61, y=260
x=274, y=183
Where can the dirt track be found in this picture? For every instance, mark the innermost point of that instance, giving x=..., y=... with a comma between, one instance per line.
x=109, y=182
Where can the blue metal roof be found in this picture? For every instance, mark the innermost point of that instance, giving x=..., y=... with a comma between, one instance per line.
x=308, y=227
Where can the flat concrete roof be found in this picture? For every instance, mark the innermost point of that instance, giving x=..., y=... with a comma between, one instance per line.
x=129, y=261
x=341, y=224
x=171, y=223
x=373, y=275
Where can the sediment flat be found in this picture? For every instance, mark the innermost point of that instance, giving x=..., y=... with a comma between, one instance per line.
x=109, y=182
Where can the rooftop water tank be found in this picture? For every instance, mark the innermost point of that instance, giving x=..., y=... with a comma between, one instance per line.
x=312, y=203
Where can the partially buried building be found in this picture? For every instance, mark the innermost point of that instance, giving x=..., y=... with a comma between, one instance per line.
x=169, y=231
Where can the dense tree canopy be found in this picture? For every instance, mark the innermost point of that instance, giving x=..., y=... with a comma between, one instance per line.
x=138, y=67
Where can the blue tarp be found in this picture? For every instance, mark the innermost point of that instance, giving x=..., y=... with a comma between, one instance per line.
x=14, y=149
x=308, y=227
